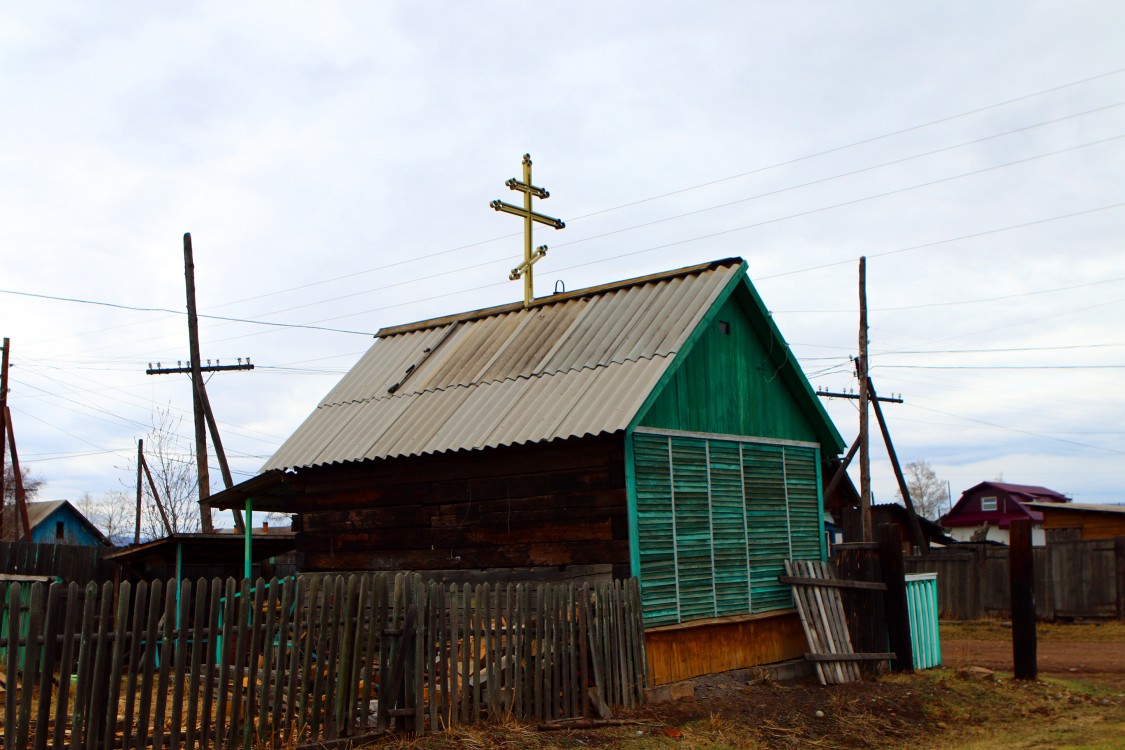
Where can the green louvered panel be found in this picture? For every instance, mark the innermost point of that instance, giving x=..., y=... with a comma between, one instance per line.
x=659, y=594
x=693, y=528
x=767, y=524
x=715, y=521
x=728, y=524
x=804, y=509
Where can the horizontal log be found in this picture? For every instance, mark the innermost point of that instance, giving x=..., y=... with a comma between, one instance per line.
x=555, y=456
x=832, y=583
x=345, y=540
x=456, y=558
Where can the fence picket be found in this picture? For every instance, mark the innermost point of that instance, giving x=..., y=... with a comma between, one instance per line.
x=278, y=669
x=78, y=712
x=298, y=665
x=418, y=666
x=31, y=660
x=212, y=654
x=50, y=651
x=345, y=703
x=323, y=624
x=228, y=615
x=97, y=702
x=12, y=593
x=199, y=644
x=277, y=663
x=168, y=623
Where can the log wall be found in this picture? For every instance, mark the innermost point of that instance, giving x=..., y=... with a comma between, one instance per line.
x=529, y=507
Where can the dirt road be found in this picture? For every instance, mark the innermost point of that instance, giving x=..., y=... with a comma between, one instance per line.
x=1055, y=657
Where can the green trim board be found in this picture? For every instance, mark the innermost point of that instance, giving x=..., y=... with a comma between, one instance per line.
x=715, y=518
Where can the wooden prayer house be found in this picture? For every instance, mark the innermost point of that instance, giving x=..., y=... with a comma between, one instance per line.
x=657, y=427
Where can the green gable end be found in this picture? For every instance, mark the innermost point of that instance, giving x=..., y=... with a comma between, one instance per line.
x=736, y=380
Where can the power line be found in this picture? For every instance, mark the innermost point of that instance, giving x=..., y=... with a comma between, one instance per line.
x=960, y=238
x=757, y=170
x=999, y=367
x=998, y=350
x=862, y=142
x=1015, y=429
x=766, y=222
x=706, y=209
x=179, y=312
x=838, y=176
x=966, y=302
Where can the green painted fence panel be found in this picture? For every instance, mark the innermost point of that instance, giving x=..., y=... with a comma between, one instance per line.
x=925, y=634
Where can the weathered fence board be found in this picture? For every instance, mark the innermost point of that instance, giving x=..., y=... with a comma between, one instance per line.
x=224, y=664
x=1072, y=579
x=66, y=562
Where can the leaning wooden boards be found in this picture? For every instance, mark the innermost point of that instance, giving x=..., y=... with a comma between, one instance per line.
x=816, y=590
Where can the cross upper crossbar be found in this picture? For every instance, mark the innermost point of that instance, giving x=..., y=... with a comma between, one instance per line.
x=508, y=208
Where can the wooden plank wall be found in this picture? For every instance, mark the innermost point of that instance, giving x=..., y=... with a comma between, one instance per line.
x=1072, y=579
x=680, y=652
x=68, y=562
x=223, y=664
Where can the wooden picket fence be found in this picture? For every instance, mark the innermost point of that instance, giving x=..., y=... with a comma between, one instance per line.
x=222, y=664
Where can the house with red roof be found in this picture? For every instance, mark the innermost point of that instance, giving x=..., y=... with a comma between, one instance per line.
x=985, y=511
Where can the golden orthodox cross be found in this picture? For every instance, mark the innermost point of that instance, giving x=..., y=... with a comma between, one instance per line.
x=529, y=217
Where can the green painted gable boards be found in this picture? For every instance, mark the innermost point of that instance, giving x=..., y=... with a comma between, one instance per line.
x=724, y=469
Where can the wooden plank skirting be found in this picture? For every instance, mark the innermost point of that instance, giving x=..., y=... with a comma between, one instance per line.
x=225, y=664
x=680, y=652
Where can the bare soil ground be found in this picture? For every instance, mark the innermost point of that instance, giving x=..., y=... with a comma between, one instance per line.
x=1078, y=702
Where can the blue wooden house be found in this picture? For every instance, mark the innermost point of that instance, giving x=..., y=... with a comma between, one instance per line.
x=53, y=522
x=657, y=427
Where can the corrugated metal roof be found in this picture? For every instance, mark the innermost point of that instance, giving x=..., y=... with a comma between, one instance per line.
x=573, y=364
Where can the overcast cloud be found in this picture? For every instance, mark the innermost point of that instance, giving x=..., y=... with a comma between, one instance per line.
x=334, y=163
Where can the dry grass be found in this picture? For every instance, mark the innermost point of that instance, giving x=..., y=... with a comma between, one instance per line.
x=1089, y=631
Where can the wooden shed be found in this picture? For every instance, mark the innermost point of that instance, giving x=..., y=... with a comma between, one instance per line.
x=657, y=427
x=1073, y=521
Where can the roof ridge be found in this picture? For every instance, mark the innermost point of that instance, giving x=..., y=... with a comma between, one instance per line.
x=556, y=298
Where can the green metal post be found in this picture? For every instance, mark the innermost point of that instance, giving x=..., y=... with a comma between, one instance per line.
x=249, y=512
x=179, y=576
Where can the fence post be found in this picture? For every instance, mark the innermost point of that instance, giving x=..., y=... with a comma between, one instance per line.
x=898, y=611
x=859, y=561
x=1022, y=577
x=1119, y=567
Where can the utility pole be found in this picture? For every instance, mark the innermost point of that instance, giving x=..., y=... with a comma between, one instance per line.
x=142, y=466
x=140, y=490
x=3, y=425
x=202, y=472
x=21, y=496
x=864, y=440
x=201, y=404
x=874, y=399
x=904, y=490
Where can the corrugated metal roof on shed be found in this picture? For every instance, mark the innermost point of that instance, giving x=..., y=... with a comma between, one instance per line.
x=573, y=364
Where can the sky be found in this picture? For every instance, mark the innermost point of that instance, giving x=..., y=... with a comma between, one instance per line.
x=334, y=163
